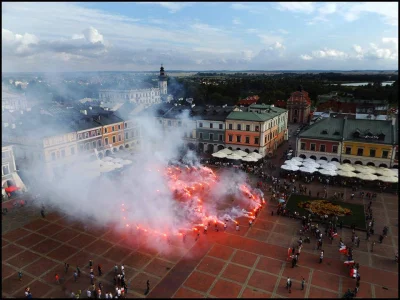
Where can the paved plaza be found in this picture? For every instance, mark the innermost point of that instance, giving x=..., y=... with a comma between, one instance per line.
x=248, y=263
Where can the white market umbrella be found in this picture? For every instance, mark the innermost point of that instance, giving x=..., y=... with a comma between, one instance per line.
x=126, y=162
x=368, y=177
x=249, y=158
x=298, y=158
x=309, y=160
x=240, y=153
x=363, y=169
x=219, y=154
x=308, y=170
x=336, y=163
x=311, y=165
x=108, y=158
x=293, y=162
x=396, y=172
x=321, y=162
x=233, y=156
x=346, y=167
x=372, y=168
x=290, y=167
x=106, y=168
x=226, y=151
x=346, y=173
x=388, y=179
x=329, y=167
x=118, y=165
x=327, y=172
x=255, y=154
x=117, y=160
x=385, y=172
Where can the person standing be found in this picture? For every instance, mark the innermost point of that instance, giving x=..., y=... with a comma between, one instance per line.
x=99, y=269
x=91, y=279
x=321, y=256
x=289, y=284
x=89, y=293
x=78, y=271
x=57, y=279
x=115, y=269
x=20, y=276
x=75, y=276
x=303, y=281
x=147, y=287
x=90, y=263
x=372, y=246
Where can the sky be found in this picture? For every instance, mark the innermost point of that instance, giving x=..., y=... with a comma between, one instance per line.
x=139, y=36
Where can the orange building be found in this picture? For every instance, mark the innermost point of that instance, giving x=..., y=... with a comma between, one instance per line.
x=112, y=131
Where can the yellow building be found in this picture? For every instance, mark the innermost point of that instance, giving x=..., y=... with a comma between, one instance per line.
x=368, y=142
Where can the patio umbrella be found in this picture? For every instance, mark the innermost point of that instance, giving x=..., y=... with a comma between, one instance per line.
x=363, y=169
x=126, y=162
x=293, y=162
x=309, y=160
x=368, y=177
x=108, y=158
x=11, y=189
x=256, y=155
x=240, y=153
x=249, y=158
x=226, y=151
x=388, y=179
x=290, y=167
x=327, y=172
x=233, y=156
x=311, y=165
x=281, y=200
x=117, y=160
x=329, y=166
x=321, y=162
x=336, y=163
x=346, y=167
x=385, y=172
x=219, y=154
x=308, y=170
x=346, y=173
x=298, y=158
x=396, y=172
x=118, y=165
x=371, y=167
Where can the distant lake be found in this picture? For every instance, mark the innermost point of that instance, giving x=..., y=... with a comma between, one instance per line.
x=365, y=83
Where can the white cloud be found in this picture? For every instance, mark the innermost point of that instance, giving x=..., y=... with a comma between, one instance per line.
x=249, y=8
x=302, y=7
x=173, y=7
x=270, y=39
x=328, y=8
x=92, y=35
x=306, y=57
x=236, y=21
x=17, y=42
x=251, y=30
x=388, y=10
x=277, y=46
x=283, y=31
x=329, y=53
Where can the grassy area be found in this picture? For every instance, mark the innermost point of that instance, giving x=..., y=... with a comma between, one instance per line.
x=357, y=217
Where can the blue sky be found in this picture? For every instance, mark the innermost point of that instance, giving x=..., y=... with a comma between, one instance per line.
x=91, y=36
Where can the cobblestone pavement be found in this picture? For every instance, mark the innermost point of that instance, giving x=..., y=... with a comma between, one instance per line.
x=246, y=263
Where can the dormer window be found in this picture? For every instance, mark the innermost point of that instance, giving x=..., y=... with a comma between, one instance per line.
x=381, y=137
x=336, y=133
x=356, y=134
x=324, y=131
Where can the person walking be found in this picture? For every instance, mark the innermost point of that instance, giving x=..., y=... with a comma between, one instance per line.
x=90, y=263
x=89, y=293
x=99, y=269
x=321, y=256
x=20, y=276
x=57, y=278
x=289, y=285
x=147, y=287
x=372, y=246
x=116, y=269
x=303, y=281
x=75, y=276
x=91, y=279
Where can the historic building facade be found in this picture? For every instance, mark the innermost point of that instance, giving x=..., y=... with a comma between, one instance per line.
x=299, y=105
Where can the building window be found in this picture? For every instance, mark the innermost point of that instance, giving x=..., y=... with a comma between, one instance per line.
x=372, y=153
x=169, y=123
x=321, y=148
x=5, y=170
x=360, y=151
x=302, y=146
x=119, y=127
x=256, y=140
x=220, y=126
x=211, y=125
x=63, y=153
x=238, y=138
x=385, y=154
x=230, y=138
x=94, y=144
x=200, y=124
x=334, y=149
x=86, y=135
x=201, y=135
x=126, y=135
x=105, y=130
x=99, y=143
x=221, y=137
x=247, y=140
x=160, y=121
x=119, y=138
x=126, y=125
x=247, y=127
x=72, y=151
x=312, y=148
x=106, y=141
x=53, y=156
x=211, y=136
x=230, y=126
x=179, y=123
x=239, y=127
x=112, y=128
x=295, y=112
x=257, y=128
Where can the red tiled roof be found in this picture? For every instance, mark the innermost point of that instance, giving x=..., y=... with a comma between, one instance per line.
x=249, y=100
x=280, y=103
x=337, y=106
x=300, y=97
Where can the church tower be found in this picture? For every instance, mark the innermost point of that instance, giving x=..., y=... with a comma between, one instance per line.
x=162, y=82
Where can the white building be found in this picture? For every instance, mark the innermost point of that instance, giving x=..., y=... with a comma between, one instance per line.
x=138, y=96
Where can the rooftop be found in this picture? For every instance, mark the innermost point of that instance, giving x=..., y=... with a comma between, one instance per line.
x=329, y=128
